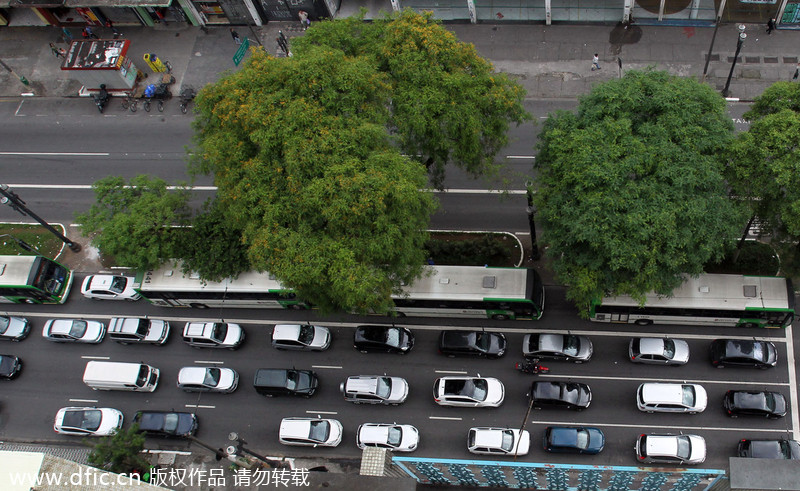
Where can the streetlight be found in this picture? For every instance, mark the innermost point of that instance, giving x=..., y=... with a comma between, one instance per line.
x=239, y=447
x=739, y=42
x=531, y=210
x=14, y=201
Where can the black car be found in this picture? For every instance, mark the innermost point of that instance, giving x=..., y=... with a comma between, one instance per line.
x=566, y=395
x=472, y=343
x=283, y=381
x=762, y=403
x=383, y=339
x=743, y=353
x=769, y=449
x=166, y=423
x=10, y=366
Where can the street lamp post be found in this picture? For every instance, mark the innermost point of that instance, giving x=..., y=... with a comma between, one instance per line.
x=11, y=199
x=531, y=210
x=739, y=43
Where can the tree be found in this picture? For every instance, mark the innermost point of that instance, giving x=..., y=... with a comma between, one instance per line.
x=630, y=189
x=120, y=452
x=305, y=169
x=448, y=106
x=134, y=223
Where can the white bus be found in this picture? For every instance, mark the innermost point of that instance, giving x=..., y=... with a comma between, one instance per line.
x=709, y=300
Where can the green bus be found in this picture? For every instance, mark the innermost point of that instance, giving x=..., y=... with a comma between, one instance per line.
x=33, y=279
x=443, y=291
x=708, y=300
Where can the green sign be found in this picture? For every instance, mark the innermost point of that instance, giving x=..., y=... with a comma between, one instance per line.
x=239, y=56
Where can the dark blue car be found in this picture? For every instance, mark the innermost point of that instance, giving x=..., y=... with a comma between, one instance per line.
x=574, y=439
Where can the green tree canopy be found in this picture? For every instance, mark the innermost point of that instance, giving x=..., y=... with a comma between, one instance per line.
x=777, y=97
x=305, y=169
x=630, y=189
x=447, y=103
x=133, y=222
x=120, y=452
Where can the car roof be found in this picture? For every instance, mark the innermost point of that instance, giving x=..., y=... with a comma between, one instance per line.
x=296, y=427
x=662, y=445
x=489, y=437
x=192, y=375
x=374, y=432
x=286, y=331
x=663, y=393
x=651, y=346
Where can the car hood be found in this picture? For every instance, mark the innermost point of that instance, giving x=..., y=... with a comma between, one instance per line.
x=399, y=389
x=16, y=327
x=410, y=438
x=227, y=378
x=157, y=330
x=524, y=442
x=762, y=449
x=698, y=453
x=112, y=419
x=305, y=381
x=497, y=345
x=578, y=394
x=234, y=334
x=8, y=364
x=496, y=392
x=681, y=351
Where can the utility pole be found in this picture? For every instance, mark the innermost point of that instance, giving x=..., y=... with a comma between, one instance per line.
x=11, y=198
x=531, y=210
x=20, y=77
x=739, y=43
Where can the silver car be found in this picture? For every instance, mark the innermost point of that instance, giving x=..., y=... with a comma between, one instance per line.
x=14, y=328
x=74, y=331
x=498, y=441
x=301, y=337
x=567, y=347
x=658, y=351
x=671, y=398
x=398, y=438
x=310, y=432
x=208, y=379
x=670, y=449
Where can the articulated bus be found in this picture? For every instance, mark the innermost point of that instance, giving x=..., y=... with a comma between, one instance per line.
x=447, y=291
x=33, y=279
x=709, y=300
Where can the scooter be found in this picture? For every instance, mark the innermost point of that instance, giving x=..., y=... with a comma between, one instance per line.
x=531, y=367
x=101, y=99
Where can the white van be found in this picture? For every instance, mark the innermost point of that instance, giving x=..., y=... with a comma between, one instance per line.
x=108, y=375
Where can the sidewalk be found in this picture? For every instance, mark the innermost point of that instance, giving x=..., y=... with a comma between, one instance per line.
x=550, y=61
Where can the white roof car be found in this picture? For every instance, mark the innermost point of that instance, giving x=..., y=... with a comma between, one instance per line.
x=140, y=330
x=658, y=351
x=498, y=441
x=74, y=331
x=312, y=432
x=374, y=389
x=301, y=337
x=87, y=421
x=468, y=391
x=109, y=287
x=208, y=379
x=671, y=398
x=14, y=328
x=670, y=449
x=213, y=335
x=398, y=438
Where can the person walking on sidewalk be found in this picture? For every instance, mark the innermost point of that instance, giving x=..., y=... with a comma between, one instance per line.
x=770, y=25
x=304, y=20
x=596, y=62
x=114, y=30
x=235, y=36
x=58, y=51
x=88, y=33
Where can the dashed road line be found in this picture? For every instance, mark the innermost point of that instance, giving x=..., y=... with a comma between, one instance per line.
x=674, y=380
x=87, y=357
x=332, y=367
x=322, y=412
x=446, y=418
x=199, y=406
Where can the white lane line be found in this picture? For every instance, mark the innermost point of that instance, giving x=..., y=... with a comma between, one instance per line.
x=83, y=400
x=321, y=412
x=662, y=427
x=96, y=357
x=65, y=154
x=210, y=362
x=447, y=418
x=457, y=372
x=89, y=186
x=332, y=367
x=792, y=383
x=520, y=156
x=675, y=380
x=200, y=406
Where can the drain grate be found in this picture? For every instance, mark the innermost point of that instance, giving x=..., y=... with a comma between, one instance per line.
x=752, y=59
x=770, y=59
x=730, y=59
x=713, y=57
x=790, y=59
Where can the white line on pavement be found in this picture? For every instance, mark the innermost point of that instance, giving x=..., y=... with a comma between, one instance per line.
x=66, y=154
x=457, y=372
x=321, y=412
x=520, y=156
x=792, y=382
x=332, y=367
x=675, y=380
x=211, y=362
x=96, y=357
x=646, y=427
x=198, y=406
x=83, y=400
x=445, y=418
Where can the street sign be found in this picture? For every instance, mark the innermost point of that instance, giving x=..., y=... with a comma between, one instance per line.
x=239, y=56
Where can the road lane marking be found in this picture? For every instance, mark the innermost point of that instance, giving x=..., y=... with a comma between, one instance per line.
x=214, y=188
x=520, y=156
x=448, y=418
x=57, y=154
x=96, y=357
x=210, y=362
x=332, y=367
x=321, y=412
x=83, y=400
x=198, y=406
x=674, y=380
x=792, y=383
x=662, y=427
x=457, y=372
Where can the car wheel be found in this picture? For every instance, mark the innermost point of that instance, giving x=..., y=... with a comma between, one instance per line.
x=734, y=415
x=500, y=317
x=643, y=322
x=577, y=362
x=363, y=351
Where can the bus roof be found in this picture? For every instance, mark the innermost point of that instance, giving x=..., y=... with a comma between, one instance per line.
x=16, y=270
x=725, y=291
x=171, y=278
x=468, y=283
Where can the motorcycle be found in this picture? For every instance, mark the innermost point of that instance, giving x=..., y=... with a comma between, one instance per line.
x=101, y=99
x=532, y=367
x=187, y=95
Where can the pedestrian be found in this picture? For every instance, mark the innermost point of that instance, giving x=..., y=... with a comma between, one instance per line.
x=235, y=36
x=596, y=62
x=114, y=30
x=304, y=20
x=58, y=51
x=770, y=25
x=796, y=72
x=89, y=33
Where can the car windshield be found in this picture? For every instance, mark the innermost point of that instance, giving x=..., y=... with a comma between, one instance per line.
x=582, y=439
x=684, y=447
x=482, y=340
x=757, y=352
x=393, y=337
x=571, y=345
x=769, y=400
x=291, y=379
x=688, y=395
x=212, y=377
x=669, y=348
x=384, y=388
x=4, y=322
x=320, y=430
x=118, y=284
x=475, y=388
x=306, y=334
x=171, y=422
x=395, y=436
x=219, y=332
x=508, y=441
x=78, y=329
x=143, y=327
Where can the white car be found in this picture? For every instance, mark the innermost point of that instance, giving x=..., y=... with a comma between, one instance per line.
x=88, y=421
x=398, y=438
x=468, y=391
x=213, y=335
x=14, y=328
x=658, y=351
x=74, y=331
x=671, y=398
x=670, y=449
x=109, y=287
x=498, y=441
x=208, y=379
x=312, y=432
x=301, y=337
